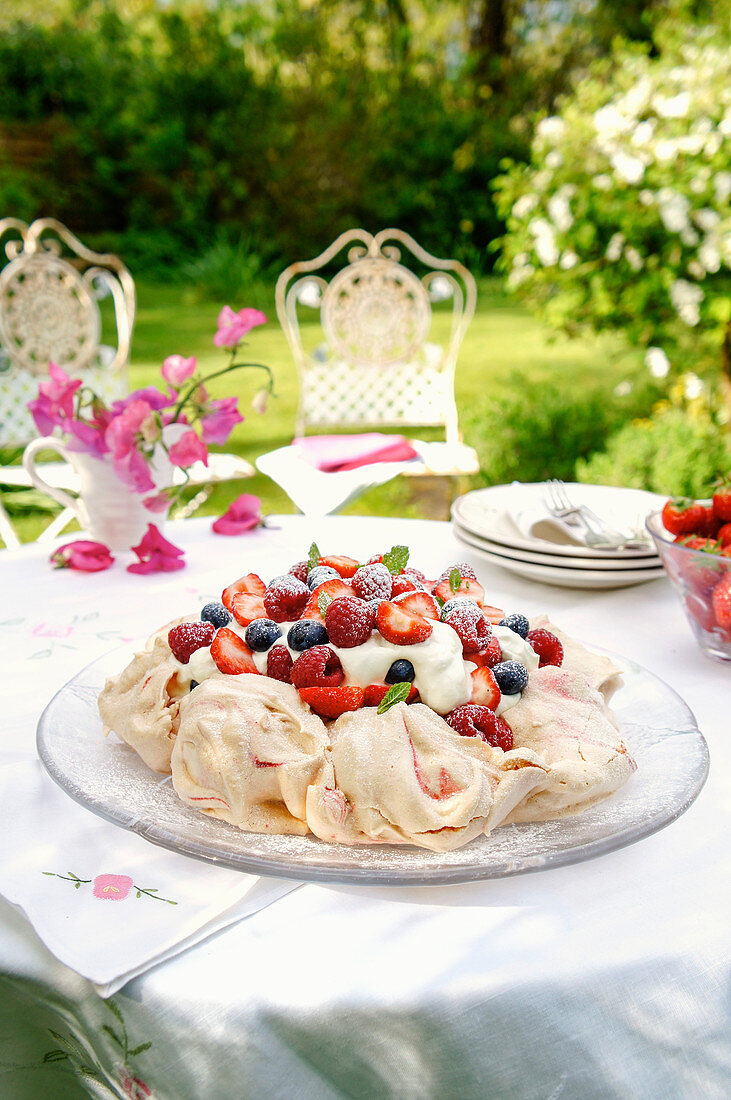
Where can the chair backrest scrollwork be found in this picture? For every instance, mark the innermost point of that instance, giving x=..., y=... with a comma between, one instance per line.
x=376, y=365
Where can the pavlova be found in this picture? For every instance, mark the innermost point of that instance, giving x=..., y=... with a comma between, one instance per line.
x=367, y=704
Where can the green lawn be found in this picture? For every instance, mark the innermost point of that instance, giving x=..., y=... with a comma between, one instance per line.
x=503, y=339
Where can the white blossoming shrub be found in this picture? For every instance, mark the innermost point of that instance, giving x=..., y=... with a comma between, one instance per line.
x=622, y=218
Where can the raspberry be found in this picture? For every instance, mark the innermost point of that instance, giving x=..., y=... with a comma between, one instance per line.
x=490, y=656
x=299, y=570
x=285, y=598
x=279, y=664
x=372, y=582
x=317, y=667
x=375, y=559
x=349, y=621
x=185, y=638
x=471, y=720
x=547, y=646
x=415, y=574
x=472, y=627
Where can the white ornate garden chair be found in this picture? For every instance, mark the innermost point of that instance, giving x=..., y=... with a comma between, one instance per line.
x=373, y=364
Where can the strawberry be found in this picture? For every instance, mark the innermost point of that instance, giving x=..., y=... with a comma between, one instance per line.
x=401, y=626
x=331, y=702
x=420, y=603
x=402, y=584
x=185, y=638
x=246, y=607
x=682, y=516
x=251, y=583
x=334, y=588
x=492, y=614
x=724, y=534
x=485, y=690
x=702, y=574
x=698, y=542
x=700, y=610
x=490, y=656
x=468, y=587
x=375, y=693
x=710, y=523
x=346, y=567
x=722, y=602
x=231, y=653
x=722, y=502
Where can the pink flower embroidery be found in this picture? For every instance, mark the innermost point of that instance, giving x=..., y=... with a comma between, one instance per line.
x=232, y=327
x=188, y=449
x=243, y=514
x=177, y=369
x=55, y=401
x=121, y=437
x=156, y=554
x=133, y=1087
x=112, y=887
x=83, y=555
x=45, y=630
x=217, y=425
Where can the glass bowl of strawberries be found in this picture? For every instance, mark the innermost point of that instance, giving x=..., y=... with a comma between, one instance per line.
x=693, y=539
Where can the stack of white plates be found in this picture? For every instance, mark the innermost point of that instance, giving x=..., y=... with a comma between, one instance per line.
x=492, y=522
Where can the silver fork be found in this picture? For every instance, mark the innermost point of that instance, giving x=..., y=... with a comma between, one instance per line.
x=594, y=531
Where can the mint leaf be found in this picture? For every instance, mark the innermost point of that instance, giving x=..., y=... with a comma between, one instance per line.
x=439, y=601
x=396, y=558
x=398, y=693
x=455, y=580
x=323, y=602
x=313, y=556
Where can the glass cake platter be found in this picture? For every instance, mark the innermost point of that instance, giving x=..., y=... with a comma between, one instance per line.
x=109, y=778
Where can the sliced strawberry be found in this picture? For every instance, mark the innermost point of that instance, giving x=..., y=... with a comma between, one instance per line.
x=468, y=587
x=346, y=567
x=334, y=588
x=399, y=625
x=332, y=702
x=485, y=690
x=251, y=584
x=403, y=583
x=231, y=653
x=246, y=607
x=420, y=603
x=376, y=693
x=492, y=614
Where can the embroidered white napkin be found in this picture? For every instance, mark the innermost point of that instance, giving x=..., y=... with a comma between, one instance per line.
x=105, y=902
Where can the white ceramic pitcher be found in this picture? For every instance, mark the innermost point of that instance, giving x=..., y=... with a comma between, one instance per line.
x=107, y=509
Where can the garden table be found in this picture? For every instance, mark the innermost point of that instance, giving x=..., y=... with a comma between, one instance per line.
x=605, y=979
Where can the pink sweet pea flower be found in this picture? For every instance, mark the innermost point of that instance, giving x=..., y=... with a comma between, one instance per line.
x=217, y=425
x=86, y=438
x=243, y=514
x=232, y=327
x=121, y=437
x=177, y=369
x=158, y=502
x=154, y=397
x=188, y=449
x=156, y=554
x=112, y=887
x=83, y=555
x=55, y=401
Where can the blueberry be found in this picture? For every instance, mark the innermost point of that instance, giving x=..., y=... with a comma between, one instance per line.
x=305, y=634
x=511, y=676
x=451, y=604
x=517, y=623
x=319, y=575
x=193, y=684
x=400, y=672
x=261, y=634
x=217, y=614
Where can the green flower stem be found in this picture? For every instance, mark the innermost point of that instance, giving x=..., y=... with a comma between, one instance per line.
x=219, y=374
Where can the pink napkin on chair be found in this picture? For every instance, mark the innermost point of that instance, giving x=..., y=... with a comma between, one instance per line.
x=331, y=453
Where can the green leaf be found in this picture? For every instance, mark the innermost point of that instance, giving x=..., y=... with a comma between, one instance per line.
x=439, y=601
x=55, y=1056
x=113, y=1035
x=396, y=558
x=323, y=602
x=455, y=579
x=313, y=556
x=398, y=693
x=140, y=1049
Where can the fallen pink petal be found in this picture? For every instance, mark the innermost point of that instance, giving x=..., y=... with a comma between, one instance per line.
x=156, y=554
x=232, y=327
x=243, y=514
x=83, y=555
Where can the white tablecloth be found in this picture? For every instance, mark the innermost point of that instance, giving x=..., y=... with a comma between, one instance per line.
x=607, y=979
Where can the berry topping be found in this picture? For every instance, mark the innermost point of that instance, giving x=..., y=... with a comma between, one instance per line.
x=279, y=664
x=490, y=656
x=476, y=721
x=185, y=638
x=375, y=558
x=722, y=503
x=465, y=571
x=300, y=570
x=419, y=603
x=682, y=516
x=457, y=585
x=492, y=614
x=319, y=575
x=317, y=667
x=344, y=567
x=403, y=583
x=331, y=702
x=399, y=625
x=331, y=590
x=724, y=534
x=372, y=582
x=305, y=634
x=215, y=613
x=400, y=672
x=517, y=623
x=512, y=677
x=231, y=653
x=349, y=621
x=472, y=627
x=721, y=600
x=246, y=607
x=252, y=584
x=485, y=689
x=285, y=598
x=414, y=574
x=547, y=646
x=261, y=634
x=455, y=602
x=374, y=694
